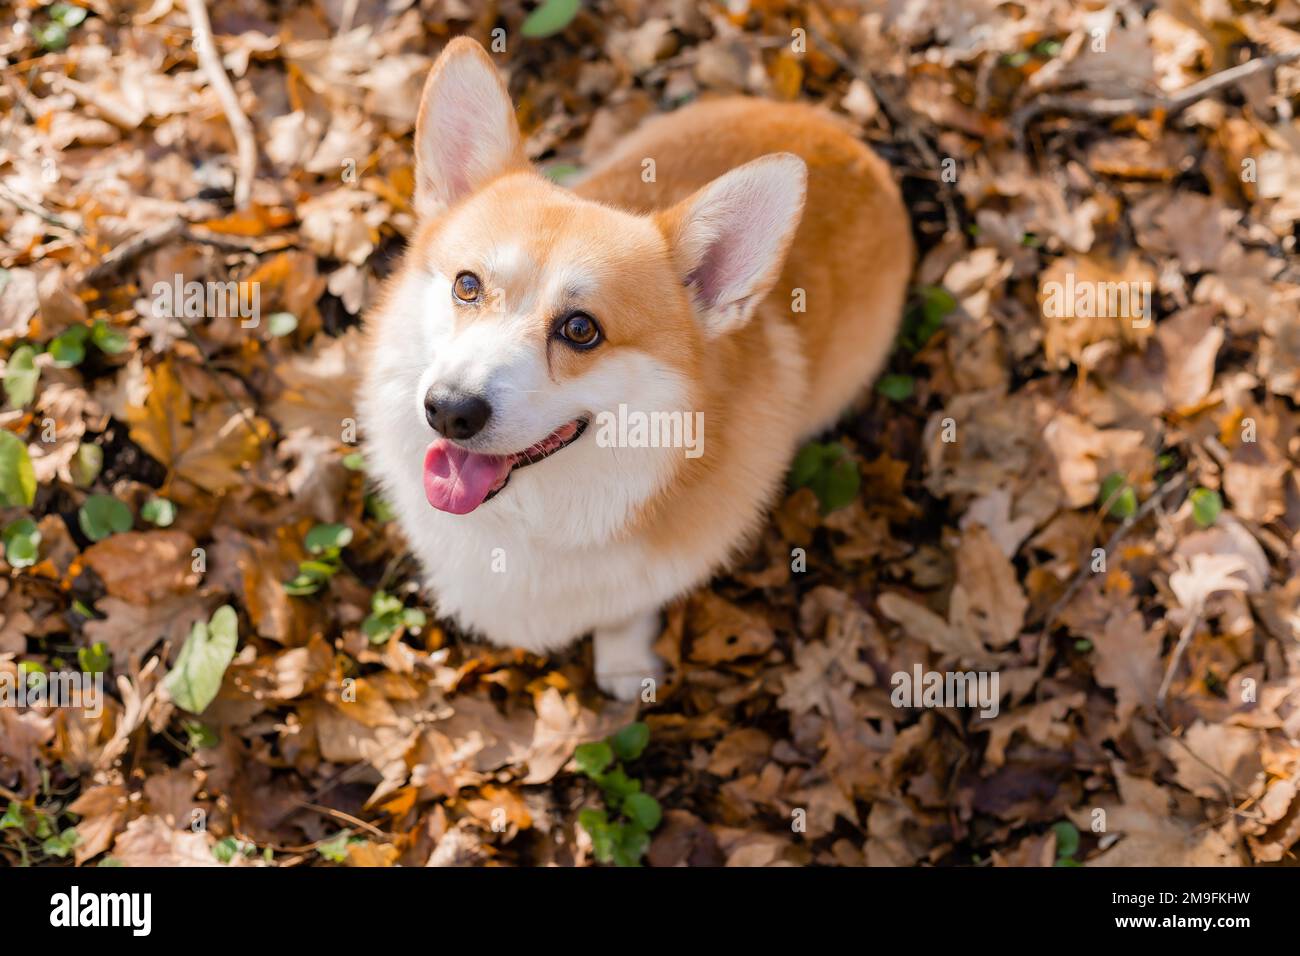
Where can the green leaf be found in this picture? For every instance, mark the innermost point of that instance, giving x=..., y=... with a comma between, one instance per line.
x=103, y=515
x=812, y=458
x=559, y=172
x=594, y=757
x=69, y=348
x=94, y=659
x=281, y=323
x=61, y=844
x=67, y=14
x=896, y=388
x=830, y=471
x=86, y=464
x=926, y=317
x=158, y=511
x=631, y=843
x=1067, y=838
x=22, y=539
x=14, y=816
x=199, y=735
x=839, y=486
x=202, y=662
x=379, y=509
x=602, y=833
x=335, y=849
x=631, y=741
x=226, y=848
x=1122, y=497
x=17, y=479
x=107, y=339
x=379, y=629
x=550, y=18
x=52, y=37
x=1206, y=506
x=327, y=537
x=617, y=786
x=303, y=585
x=644, y=809
x=21, y=375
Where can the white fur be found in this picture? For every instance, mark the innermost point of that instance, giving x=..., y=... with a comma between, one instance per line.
x=567, y=566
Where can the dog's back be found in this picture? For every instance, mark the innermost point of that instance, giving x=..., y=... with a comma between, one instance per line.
x=845, y=305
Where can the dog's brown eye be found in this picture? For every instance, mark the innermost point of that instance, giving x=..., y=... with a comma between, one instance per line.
x=580, y=329
x=467, y=288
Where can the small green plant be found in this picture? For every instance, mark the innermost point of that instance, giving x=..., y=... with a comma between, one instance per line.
x=94, y=659
x=620, y=833
x=159, y=511
x=896, y=388
x=1206, y=506
x=228, y=848
x=86, y=464
x=17, y=477
x=830, y=471
x=389, y=617
x=107, y=339
x=379, y=509
x=37, y=833
x=550, y=18
x=1117, y=496
x=280, y=324
x=202, y=662
x=1067, y=843
x=326, y=543
x=924, y=316
x=335, y=849
x=103, y=515
x=21, y=375
x=22, y=540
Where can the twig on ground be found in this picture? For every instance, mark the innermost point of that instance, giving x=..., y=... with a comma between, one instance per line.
x=1184, y=638
x=1141, y=104
x=1156, y=500
x=210, y=61
x=138, y=245
x=148, y=240
x=38, y=210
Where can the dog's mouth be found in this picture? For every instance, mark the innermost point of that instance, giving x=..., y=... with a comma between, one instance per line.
x=457, y=480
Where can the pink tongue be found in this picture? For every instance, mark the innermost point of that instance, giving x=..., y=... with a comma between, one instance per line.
x=456, y=480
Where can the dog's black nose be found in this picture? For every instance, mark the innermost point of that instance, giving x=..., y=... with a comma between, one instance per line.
x=456, y=415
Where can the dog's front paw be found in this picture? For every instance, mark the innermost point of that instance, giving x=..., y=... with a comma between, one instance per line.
x=626, y=667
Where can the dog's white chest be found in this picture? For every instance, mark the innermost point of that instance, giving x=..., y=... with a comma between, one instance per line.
x=520, y=590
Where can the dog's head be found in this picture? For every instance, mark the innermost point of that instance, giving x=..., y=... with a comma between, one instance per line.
x=525, y=314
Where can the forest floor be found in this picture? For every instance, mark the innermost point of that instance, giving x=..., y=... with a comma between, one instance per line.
x=1098, y=504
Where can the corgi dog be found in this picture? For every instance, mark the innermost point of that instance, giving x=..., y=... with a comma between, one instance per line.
x=732, y=274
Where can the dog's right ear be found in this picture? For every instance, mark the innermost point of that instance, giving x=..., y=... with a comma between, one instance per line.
x=465, y=133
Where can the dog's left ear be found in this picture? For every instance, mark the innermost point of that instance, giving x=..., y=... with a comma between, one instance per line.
x=466, y=132
x=730, y=239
